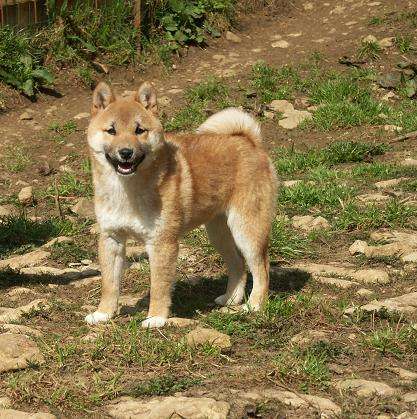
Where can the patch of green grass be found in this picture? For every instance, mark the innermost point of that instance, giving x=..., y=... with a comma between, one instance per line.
x=16, y=158
x=86, y=75
x=304, y=197
x=66, y=253
x=20, y=232
x=289, y=161
x=62, y=130
x=70, y=185
x=404, y=43
x=404, y=115
x=380, y=171
x=376, y=20
x=408, y=185
x=396, y=341
x=162, y=386
x=370, y=50
x=272, y=83
x=286, y=242
x=209, y=93
x=371, y=216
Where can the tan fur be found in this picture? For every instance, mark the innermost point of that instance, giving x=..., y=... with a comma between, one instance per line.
x=225, y=181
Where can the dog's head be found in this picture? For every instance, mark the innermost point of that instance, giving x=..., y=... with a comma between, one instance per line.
x=125, y=132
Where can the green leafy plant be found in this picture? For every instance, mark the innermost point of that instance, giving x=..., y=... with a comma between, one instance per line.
x=20, y=66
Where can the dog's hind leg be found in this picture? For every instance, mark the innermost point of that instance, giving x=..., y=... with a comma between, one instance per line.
x=112, y=259
x=251, y=237
x=222, y=239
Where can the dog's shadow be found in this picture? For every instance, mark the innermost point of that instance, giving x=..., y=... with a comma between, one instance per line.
x=198, y=295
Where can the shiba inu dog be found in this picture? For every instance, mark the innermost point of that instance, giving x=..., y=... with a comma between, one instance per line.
x=156, y=186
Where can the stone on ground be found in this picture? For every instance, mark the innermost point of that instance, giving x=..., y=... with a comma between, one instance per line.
x=409, y=162
x=280, y=44
x=365, y=388
x=58, y=240
x=324, y=406
x=20, y=329
x=309, y=223
x=406, y=304
x=281, y=106
x=201, y=335
x=17, y=414
x=294, y=119
x=230, y=36
x=169, y=407
x=22, y=261
x=395, y=249
x=66, y=274
x=5, y=403
x=8, y=210
x=17, y=352
x=404, y=375
x=394, y=236
x=291, y=183
x=82, y=115
x=25, y=196
x=410, y=397
x=383, y=184
x=365, y=276
x=373, y=198
x=339, y=283
x=8, y=314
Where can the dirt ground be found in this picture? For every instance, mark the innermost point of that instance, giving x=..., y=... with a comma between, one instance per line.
x=306, y=343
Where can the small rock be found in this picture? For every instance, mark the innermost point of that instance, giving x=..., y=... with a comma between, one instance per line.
x=393, y=128
x=390, y=80
x=84, y=208
x=404, y=374
x=17, y=351
x=85, y=282
x=410, y=397
x=358, y=246
x=309, y=223
x=308, y=6
x=64, y=168
x=373, y=198
x=25, y=196
x=8, y=211
x=365, y=388
x=388, y=96
x=291, y=183
x=9, y=315
x=230, y=36
x=409, y=162
x=67, y=274
x=175, y=91
x=181, y=322
x=29, y=259
x=52, y=109
x=383, y=184
x=406, y=304
x=95, y=229
x=394, y=236
x=294, y=119
x=269, y=115
x=369, y=39
x=20, y=329
x=386, y=42
x=45, y=169
x=280, y=44
x=164, y=101
x=364, y=292
x=168, y=408
x=86, y=262
x=201, y=335
x=26, y=116
x=339, y=283
x=82, y=115
x=281, y=106
x=410, y=257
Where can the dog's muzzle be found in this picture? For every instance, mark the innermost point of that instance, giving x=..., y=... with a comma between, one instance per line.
x=125, y=166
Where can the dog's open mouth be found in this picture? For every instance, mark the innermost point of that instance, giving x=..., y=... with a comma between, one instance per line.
x=125, y=168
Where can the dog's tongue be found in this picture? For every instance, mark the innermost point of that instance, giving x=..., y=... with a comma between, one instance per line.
x=125, y=166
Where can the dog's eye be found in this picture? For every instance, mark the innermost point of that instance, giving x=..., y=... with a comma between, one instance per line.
x=139, y=130
x=111, y=131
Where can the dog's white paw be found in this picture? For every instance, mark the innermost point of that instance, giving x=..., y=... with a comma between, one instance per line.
x=97, y=317
x=250, y=308
x=155, y=321
x=224, y=300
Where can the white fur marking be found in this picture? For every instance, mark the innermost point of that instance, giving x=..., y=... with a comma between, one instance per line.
x=155, y=321
x=97, y=317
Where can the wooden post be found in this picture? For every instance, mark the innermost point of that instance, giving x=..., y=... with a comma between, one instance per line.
x=138, y=17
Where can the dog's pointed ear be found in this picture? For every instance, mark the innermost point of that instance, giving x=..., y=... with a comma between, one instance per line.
x=102, y=97
x=147, y=97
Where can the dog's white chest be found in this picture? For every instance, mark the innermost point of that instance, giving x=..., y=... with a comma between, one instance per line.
x=120, y=210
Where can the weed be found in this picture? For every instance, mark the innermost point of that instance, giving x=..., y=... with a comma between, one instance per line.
x=86, y=75
x=16, y=158
x=272, y=83
x=62, y=130
x=376, y=20
x=69, y=185
x=380, y=171
x=20, y=63
x=403, y=43
x=161, y=386
x=66, y=253
x=369, y=50
x=352, y=151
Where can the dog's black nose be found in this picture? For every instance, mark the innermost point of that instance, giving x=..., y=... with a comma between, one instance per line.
x=126, y=153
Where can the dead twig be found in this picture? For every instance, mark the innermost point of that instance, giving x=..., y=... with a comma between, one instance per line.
x=404, y=137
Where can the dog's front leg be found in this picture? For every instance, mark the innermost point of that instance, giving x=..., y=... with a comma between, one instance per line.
x=163, y=260
x=112, y=258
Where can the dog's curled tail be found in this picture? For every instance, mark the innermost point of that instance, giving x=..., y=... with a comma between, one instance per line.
x=232, y=121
